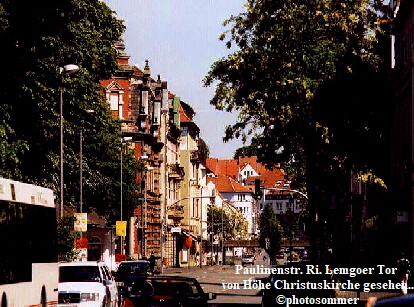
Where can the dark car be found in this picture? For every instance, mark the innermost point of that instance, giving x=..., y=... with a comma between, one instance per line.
x=297, y=277
x=168, y=291
x=401, y=300
x=130, y=272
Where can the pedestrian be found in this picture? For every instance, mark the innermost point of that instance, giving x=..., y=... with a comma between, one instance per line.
x=152, y=262
x=198, y=258
x=403, y=272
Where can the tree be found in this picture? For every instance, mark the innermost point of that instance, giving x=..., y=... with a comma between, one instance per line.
x=306, y=83
x=37, y=39
x=226, y=222
x=270, y=236
x=66, y=239
x=203, y=150
x=286, y=50
x=245, y=151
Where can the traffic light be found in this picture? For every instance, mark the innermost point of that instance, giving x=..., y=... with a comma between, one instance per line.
x=257, y=187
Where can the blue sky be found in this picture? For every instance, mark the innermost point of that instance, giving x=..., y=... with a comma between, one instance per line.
x=180, y=40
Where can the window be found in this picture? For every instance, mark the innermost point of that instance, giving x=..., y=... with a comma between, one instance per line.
x=195, y=207
x=114, y=101
x=79, y=274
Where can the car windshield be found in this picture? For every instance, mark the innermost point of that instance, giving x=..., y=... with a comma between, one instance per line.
x=135, y=267
x=79, y=274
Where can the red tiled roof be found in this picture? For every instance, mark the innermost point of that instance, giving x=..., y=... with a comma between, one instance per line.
x=228, y=184
x=138, y=72
x=224, y=167
x=252, y=161
x=184, y=118
x=269, y=178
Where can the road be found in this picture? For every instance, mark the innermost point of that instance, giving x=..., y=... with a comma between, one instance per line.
x=212, y=278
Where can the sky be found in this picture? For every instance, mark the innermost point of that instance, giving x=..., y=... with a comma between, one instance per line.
x=180, y=40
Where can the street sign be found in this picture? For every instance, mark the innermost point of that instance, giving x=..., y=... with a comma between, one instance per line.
x=175, y=229
x=81, y=222
x=120, y=257
x=290, y=218
x=121, y=228
x=81, y=243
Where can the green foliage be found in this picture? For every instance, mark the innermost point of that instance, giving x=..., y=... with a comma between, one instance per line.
x=38, y=38
x=66, y=239
x=230, y=224
x=270, y=230
x=203, y=150
x=245, y=151
x=305, y=78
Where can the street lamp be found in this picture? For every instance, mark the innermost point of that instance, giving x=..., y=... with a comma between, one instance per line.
x=67, y=69
x=126, y=139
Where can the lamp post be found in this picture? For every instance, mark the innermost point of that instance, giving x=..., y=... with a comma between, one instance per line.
x=127, y=139
x=67, y=69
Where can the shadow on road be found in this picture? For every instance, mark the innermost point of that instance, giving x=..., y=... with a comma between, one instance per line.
x=232, y=304
x=259, y=293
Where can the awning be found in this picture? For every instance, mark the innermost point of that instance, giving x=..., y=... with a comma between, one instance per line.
x=189, y=235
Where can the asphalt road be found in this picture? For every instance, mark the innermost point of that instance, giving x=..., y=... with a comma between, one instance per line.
x=212, y=279
x=220, y=280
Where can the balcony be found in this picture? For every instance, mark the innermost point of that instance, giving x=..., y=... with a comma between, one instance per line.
x=195, y=156
x=176, y=213
x=175, y=171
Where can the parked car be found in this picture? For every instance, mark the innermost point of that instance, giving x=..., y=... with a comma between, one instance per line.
x=129, y=272
x=400, y=300
x=269, y=295
x=88, y=283
x=168, y=291
x=247, y=259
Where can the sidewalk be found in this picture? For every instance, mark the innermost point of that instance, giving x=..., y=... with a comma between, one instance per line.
x=363, y=296
x=181, y=270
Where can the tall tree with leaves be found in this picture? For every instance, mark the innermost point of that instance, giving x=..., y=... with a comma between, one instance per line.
x=270, y=236
x=37, y=39
x=304, y=80
x=225, y=222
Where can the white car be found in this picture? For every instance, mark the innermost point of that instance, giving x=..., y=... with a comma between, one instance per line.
x=88, y=283
x=247, y=259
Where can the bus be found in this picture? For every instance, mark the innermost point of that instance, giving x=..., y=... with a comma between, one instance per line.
x=28, y=240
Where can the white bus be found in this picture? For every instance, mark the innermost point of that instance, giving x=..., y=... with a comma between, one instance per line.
x=28, y=242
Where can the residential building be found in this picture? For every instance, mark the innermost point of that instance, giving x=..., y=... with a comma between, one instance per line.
x=174, y=212
x=190, y=189
x=237, y=195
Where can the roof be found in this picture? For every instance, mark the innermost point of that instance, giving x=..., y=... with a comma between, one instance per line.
x=223, y=167
x=231, y=167
x=270, y=179
x=184, y=116
x=137, y=72
x=81, y=263
x=228, y=184
x=252, y=161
